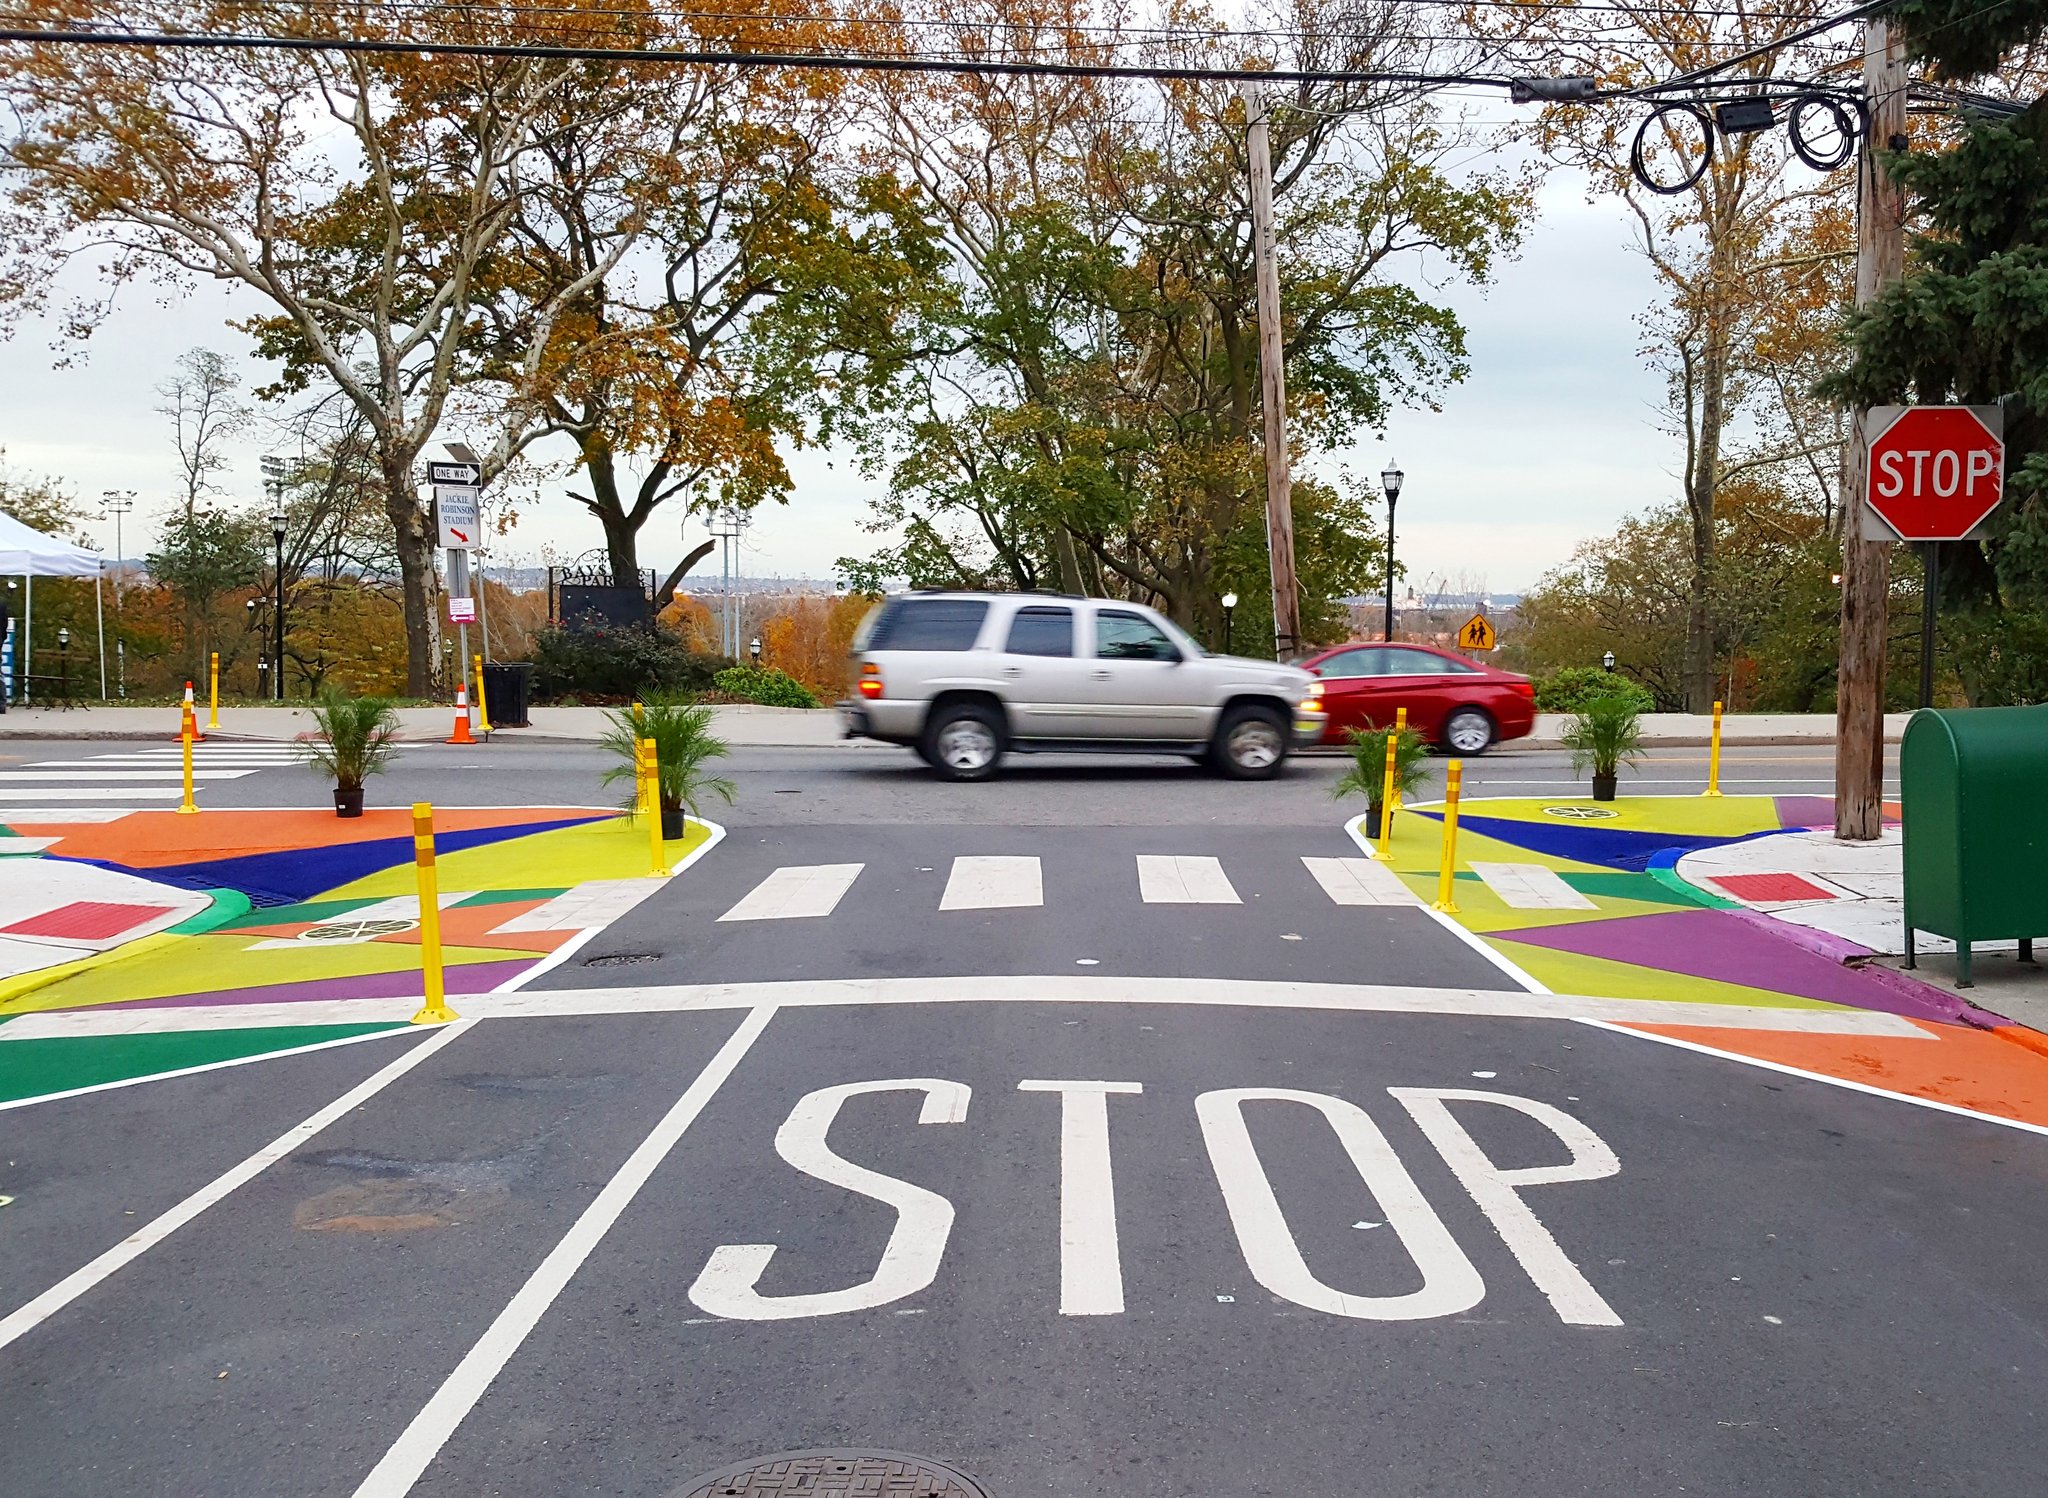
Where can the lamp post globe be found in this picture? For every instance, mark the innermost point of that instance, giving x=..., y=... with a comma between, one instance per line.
x=1229, y=607
x=1390, y=480
x=1607, y=661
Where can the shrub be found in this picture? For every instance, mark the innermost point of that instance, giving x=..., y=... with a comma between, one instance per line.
x=617, y=663
x=1604, y=735
x=1367, y=776
x=1570, y=688
x=765, y=685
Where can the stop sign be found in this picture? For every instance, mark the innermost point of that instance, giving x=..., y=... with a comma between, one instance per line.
x=1935, y=472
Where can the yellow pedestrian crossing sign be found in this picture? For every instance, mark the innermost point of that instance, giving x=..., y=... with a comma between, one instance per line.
x=1478, y=634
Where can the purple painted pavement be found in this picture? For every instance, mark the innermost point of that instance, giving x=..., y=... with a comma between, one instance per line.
x=1817, y=811
x=1730, y=946
x=462, y=977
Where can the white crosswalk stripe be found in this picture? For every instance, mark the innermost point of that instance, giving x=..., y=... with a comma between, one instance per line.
x=75, y=790
x=796, y=892
x=1183, y=879
x=993, y=883
x=1360, y=881
x=1530, y=886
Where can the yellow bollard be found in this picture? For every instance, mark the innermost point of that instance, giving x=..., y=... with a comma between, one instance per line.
x=213, y=691
x=1714, y=758
x=435, y=1010
x=1388, y=797
x=483, y=709
x=1447, y=870
x=188, y=729
x=650, y=801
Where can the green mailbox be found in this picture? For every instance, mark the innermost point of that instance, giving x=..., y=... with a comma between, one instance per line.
x=1975, y=786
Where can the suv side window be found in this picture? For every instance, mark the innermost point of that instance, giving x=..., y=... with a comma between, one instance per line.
x=928, y=624
x=1131, y=637
x=1041, y=631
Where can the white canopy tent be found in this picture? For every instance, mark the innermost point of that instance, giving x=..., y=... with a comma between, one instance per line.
x=31, y=554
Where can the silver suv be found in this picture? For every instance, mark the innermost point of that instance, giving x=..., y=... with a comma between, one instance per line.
x=962, y=677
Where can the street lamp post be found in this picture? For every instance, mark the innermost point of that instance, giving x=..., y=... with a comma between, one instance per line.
x=64, y=660
x=277, y=606
x=1390, y=480
x=118, y=503
x=754, y=649
x=1229, y=608
x=1607, y=661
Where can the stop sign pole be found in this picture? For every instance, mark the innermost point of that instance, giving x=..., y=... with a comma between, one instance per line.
x=1932, y=474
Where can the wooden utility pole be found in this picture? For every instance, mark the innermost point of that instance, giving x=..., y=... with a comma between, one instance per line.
x=1272, y=385
x=1866, y=559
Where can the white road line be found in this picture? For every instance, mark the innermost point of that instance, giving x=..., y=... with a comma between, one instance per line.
x=1183, y=879
x=172, y=772
x=90, y=792
x=430, y=1429
x=136, y=1244
x=993, y=883
x=1360, y=881
x=1530, y=886
x=1060, y=988
x=44, y=816
x=796, y=892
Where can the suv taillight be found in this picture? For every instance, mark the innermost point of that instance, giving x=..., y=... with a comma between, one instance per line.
x=871, y=680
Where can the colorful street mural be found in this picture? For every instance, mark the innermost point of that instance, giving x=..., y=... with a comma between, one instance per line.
x=1650, y=936
x=300, y=913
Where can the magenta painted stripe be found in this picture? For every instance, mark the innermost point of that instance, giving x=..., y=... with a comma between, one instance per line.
x=465, y=977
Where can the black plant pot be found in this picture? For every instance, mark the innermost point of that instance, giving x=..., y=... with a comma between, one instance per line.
x=348, y=803
x=671, y=823
x=1372, y=822
x=1603, y=787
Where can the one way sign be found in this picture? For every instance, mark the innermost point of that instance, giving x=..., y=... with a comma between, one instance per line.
x=464, y=475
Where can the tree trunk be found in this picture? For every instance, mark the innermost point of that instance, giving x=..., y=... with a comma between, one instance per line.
x=421, y=584
x=1070, y=562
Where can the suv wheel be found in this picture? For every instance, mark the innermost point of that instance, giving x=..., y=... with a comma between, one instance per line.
x=1251, y=743
x=964, y=742
x=1467, y=731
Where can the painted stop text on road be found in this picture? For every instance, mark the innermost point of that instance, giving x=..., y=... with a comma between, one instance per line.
x=1092, y=1248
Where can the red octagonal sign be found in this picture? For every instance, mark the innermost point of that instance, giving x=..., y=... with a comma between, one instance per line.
x=1935, y=472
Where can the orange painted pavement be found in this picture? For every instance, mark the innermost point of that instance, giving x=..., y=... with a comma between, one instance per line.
x=155, y=839
x=1962, y=1067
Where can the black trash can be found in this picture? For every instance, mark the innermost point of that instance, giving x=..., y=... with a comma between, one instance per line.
x=508, y=688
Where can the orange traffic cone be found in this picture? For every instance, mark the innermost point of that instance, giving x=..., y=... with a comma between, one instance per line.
x=462, y=734
x=188, y=721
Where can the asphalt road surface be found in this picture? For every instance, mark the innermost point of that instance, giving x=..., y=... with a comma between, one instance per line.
x=1056, y=1153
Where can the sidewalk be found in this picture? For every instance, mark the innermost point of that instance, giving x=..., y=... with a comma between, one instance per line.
x=792, y=727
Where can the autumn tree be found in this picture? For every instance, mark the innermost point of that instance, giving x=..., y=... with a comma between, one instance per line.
x=1087, y=412
x=356, y=196
x=1753, y=257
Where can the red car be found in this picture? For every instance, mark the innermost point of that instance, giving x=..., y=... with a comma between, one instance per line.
x=1454, y=703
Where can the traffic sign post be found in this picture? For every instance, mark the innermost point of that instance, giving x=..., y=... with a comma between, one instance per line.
x=458, y=520
x=1934, y=474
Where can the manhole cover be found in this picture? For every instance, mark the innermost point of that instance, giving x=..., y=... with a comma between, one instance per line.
x=622, y=959
x=838, y=1472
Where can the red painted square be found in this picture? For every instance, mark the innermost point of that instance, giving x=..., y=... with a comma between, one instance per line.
x=1770, y=888
x=87, y=920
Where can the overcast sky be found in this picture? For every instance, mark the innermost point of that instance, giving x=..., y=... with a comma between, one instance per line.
x=1551, y=439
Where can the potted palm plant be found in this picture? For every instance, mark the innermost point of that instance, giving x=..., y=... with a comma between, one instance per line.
x=353, y=740
x=684, y=745
x=1367, y=776
x=1603, y=735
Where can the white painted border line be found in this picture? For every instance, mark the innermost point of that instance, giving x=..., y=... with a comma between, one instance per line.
x=26, y=1319
x=422, y=1440
x=1356, y=827
x=193, y=1071
x=1629, y=1028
